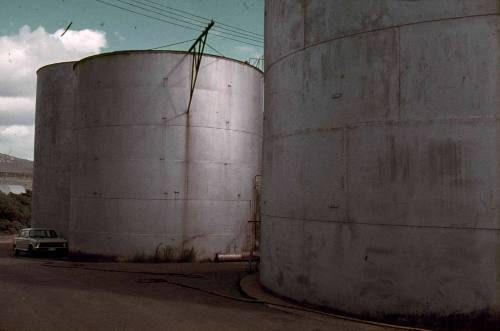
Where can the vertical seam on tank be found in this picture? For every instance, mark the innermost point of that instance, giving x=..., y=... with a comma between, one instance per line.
x=185, y=196
x=304, y=237
x=304, y=11
x=164, y=171
x=399, y=70
x=75, y=150
x=345, y=146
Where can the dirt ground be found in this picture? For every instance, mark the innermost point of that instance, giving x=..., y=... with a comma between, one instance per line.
x=44, y=293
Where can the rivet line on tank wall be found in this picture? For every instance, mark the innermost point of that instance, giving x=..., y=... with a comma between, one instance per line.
x=305, y=267
x=59, y=93
x=279, y=59
x=101, y=197
x=139, y=234
x=304, y=25
x=168, y=125
x=187, y=152
x=346, y=185
x=242, y=165
x=395, y=123
x=384, y=224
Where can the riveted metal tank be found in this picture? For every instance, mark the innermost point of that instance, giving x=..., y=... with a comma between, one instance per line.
x=53, y=132
x=148, y=174
x=380, y=159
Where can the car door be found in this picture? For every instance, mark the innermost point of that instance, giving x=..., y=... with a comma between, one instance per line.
x=21, y=240
x=26, y=239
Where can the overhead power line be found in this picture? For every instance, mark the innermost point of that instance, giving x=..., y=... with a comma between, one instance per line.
x=191, y=26
x=216, y=51
x=243, y=42
x=154, y=12
x=152, y=17
x=177, y=43
x=203, y=20
x=183, y=21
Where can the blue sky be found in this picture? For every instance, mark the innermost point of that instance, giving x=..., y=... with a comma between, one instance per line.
x=125, y=30
x=30, y=37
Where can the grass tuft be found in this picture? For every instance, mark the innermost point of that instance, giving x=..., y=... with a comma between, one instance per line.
x=166, y=254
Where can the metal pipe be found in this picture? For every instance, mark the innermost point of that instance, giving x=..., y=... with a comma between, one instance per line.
x=244, y=256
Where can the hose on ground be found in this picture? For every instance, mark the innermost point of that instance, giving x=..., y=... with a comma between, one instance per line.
x=225, y=296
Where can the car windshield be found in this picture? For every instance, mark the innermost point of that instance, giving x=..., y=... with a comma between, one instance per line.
x=43, y=234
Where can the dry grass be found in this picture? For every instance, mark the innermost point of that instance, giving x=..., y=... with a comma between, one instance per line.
x=166, y=254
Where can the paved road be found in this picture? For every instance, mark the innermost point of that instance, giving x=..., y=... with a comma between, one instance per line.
x=49, y=294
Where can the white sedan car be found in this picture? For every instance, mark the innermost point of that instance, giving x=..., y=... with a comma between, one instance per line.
x=33, y=240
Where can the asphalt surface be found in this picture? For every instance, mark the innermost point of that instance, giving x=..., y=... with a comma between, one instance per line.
x=44, y=293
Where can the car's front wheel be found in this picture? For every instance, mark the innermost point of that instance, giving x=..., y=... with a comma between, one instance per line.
x=31, y=251
x=16, y=252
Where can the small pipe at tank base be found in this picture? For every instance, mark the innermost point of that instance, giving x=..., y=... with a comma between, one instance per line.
x=244, y=256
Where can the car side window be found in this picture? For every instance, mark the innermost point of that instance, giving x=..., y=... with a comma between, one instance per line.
x=24, y=234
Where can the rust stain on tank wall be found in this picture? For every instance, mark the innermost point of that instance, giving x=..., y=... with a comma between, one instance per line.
x=394, y=165
x=446, y=163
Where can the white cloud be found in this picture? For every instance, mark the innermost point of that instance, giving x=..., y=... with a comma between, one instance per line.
x=17, y=140
x=82, y=41
x=16, y=131
x=119, y=36
x=16, y=110
x=20, y=56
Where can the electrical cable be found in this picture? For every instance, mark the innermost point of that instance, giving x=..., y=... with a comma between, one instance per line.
x=216, y=51
x=258, y=301
x=152, y=17
x=84, y=267
x=155, y=12
x=225, y=296
x=243, y=42
x=205, y=18
x=177, y=43
x=176, y=24
x=205, y=21
x=252, y=39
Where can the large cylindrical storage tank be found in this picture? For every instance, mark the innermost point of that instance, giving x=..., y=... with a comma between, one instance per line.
x=52, y=161
x=147, y=173
x=381, y=157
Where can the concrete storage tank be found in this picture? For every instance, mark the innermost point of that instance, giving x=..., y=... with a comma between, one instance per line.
x=380, y=159
x=52, y=162
x=145, y=172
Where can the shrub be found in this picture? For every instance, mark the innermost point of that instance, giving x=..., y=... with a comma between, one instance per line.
x=15, y=211
x=166, y=254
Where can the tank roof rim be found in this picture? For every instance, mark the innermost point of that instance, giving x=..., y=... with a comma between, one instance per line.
x=55, y=64
x=139, y=51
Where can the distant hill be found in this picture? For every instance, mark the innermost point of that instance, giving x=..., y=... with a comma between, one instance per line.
x=15, y=165
x=15, y=210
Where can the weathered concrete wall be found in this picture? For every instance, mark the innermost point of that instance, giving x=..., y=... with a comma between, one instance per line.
x=52, y=157
x=381, y=156
x=145, y=172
